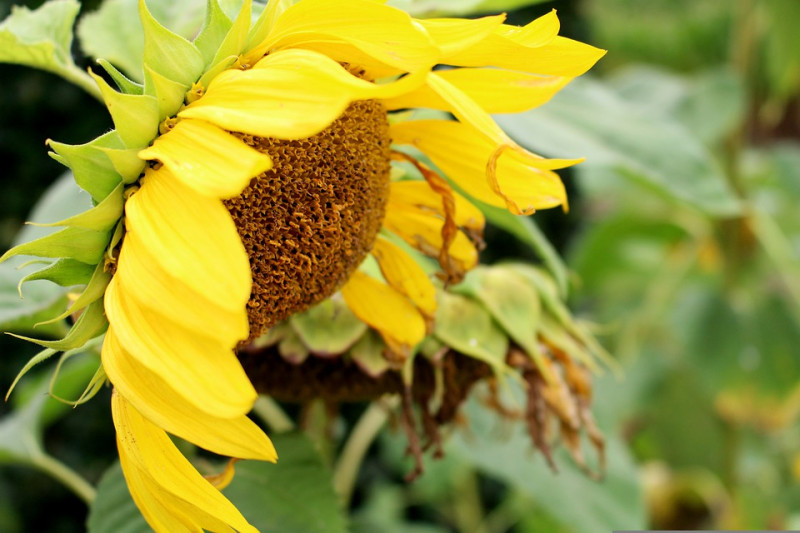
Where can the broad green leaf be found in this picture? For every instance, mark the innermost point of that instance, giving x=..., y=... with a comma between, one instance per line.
x=328, y=328
x=577, y=502
x=113, y=510
x=589, y=120
x=42, y=38
x=33, y=410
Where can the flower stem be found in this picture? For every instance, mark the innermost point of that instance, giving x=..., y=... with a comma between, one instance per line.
x=74, y=481
x=271, y=413
x=364, y=432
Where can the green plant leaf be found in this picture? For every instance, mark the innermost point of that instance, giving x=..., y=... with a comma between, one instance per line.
x=42, y=39
x=113, y=510
x=588, y=119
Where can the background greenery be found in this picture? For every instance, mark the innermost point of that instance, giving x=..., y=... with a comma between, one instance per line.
x=683, y=239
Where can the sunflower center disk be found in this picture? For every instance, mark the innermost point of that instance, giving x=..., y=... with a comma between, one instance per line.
x=309, y=221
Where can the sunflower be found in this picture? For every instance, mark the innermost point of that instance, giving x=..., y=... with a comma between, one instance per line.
x=248, y=178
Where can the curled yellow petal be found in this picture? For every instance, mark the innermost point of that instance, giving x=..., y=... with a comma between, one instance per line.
x=419, y=194
x=207, y=159
x=170, y=492
x=454, y=35
x=386, y=310
x=405, y=275
x=157, y=400
x=423, y=231
x=525, y=182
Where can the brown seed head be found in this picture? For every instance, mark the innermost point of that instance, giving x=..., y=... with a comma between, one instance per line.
x=308, y=222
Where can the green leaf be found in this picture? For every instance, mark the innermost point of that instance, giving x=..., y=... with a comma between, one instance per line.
x=589, y=120
x=328, y=328
x=21, y=430
x=42, y=38
x=781, y=63
x=296, y=494
x=576, y=501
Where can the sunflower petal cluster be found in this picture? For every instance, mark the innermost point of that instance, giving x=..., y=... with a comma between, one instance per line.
x=167, y=279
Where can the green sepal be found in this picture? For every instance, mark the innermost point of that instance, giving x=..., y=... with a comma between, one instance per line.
x=211, y=73
x=329, y=328
x=235, y=40
x=126, y=162
x=81, y=244
x=467, y=327
x=292, y=348
x=135, y=116
x=367, y=353
x=94, y=290
x=93, y=170
x=168, y=93
x=89, y=325
x=94, y=386
x=32, y=362
x=215, y=28
x=101, y=217
x=64, y=272
x=512, y=302
x=265, y=21
x=125, y=84
x=168, y=53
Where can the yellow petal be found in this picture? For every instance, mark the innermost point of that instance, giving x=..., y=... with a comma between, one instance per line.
x=385, y=33
x=418, y=193
x=494, y=90
x=203, y=371
x=454, y=35
x=405, y=275
x=192, y=237
x=157, y=400
x=207, y=159
x=385, y=310
x=163, y=482
x=423, y=231
x=292, y=94
x=534, y=48
x=524, y=182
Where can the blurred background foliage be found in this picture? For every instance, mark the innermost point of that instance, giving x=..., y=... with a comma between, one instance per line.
x=683, y=244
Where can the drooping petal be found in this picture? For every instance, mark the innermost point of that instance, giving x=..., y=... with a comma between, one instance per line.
x=454, y=35
x=207, y=159
x=494, y=90
x=534, y=48
x=162, y=481
x=190, y=236
x=419, y=194
x=524, y=182
x=405, y=275
x=423, y=231
x=157, y=400
x=292, y=94
x=385, y=33
x=386, y=310
x=202, y=370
